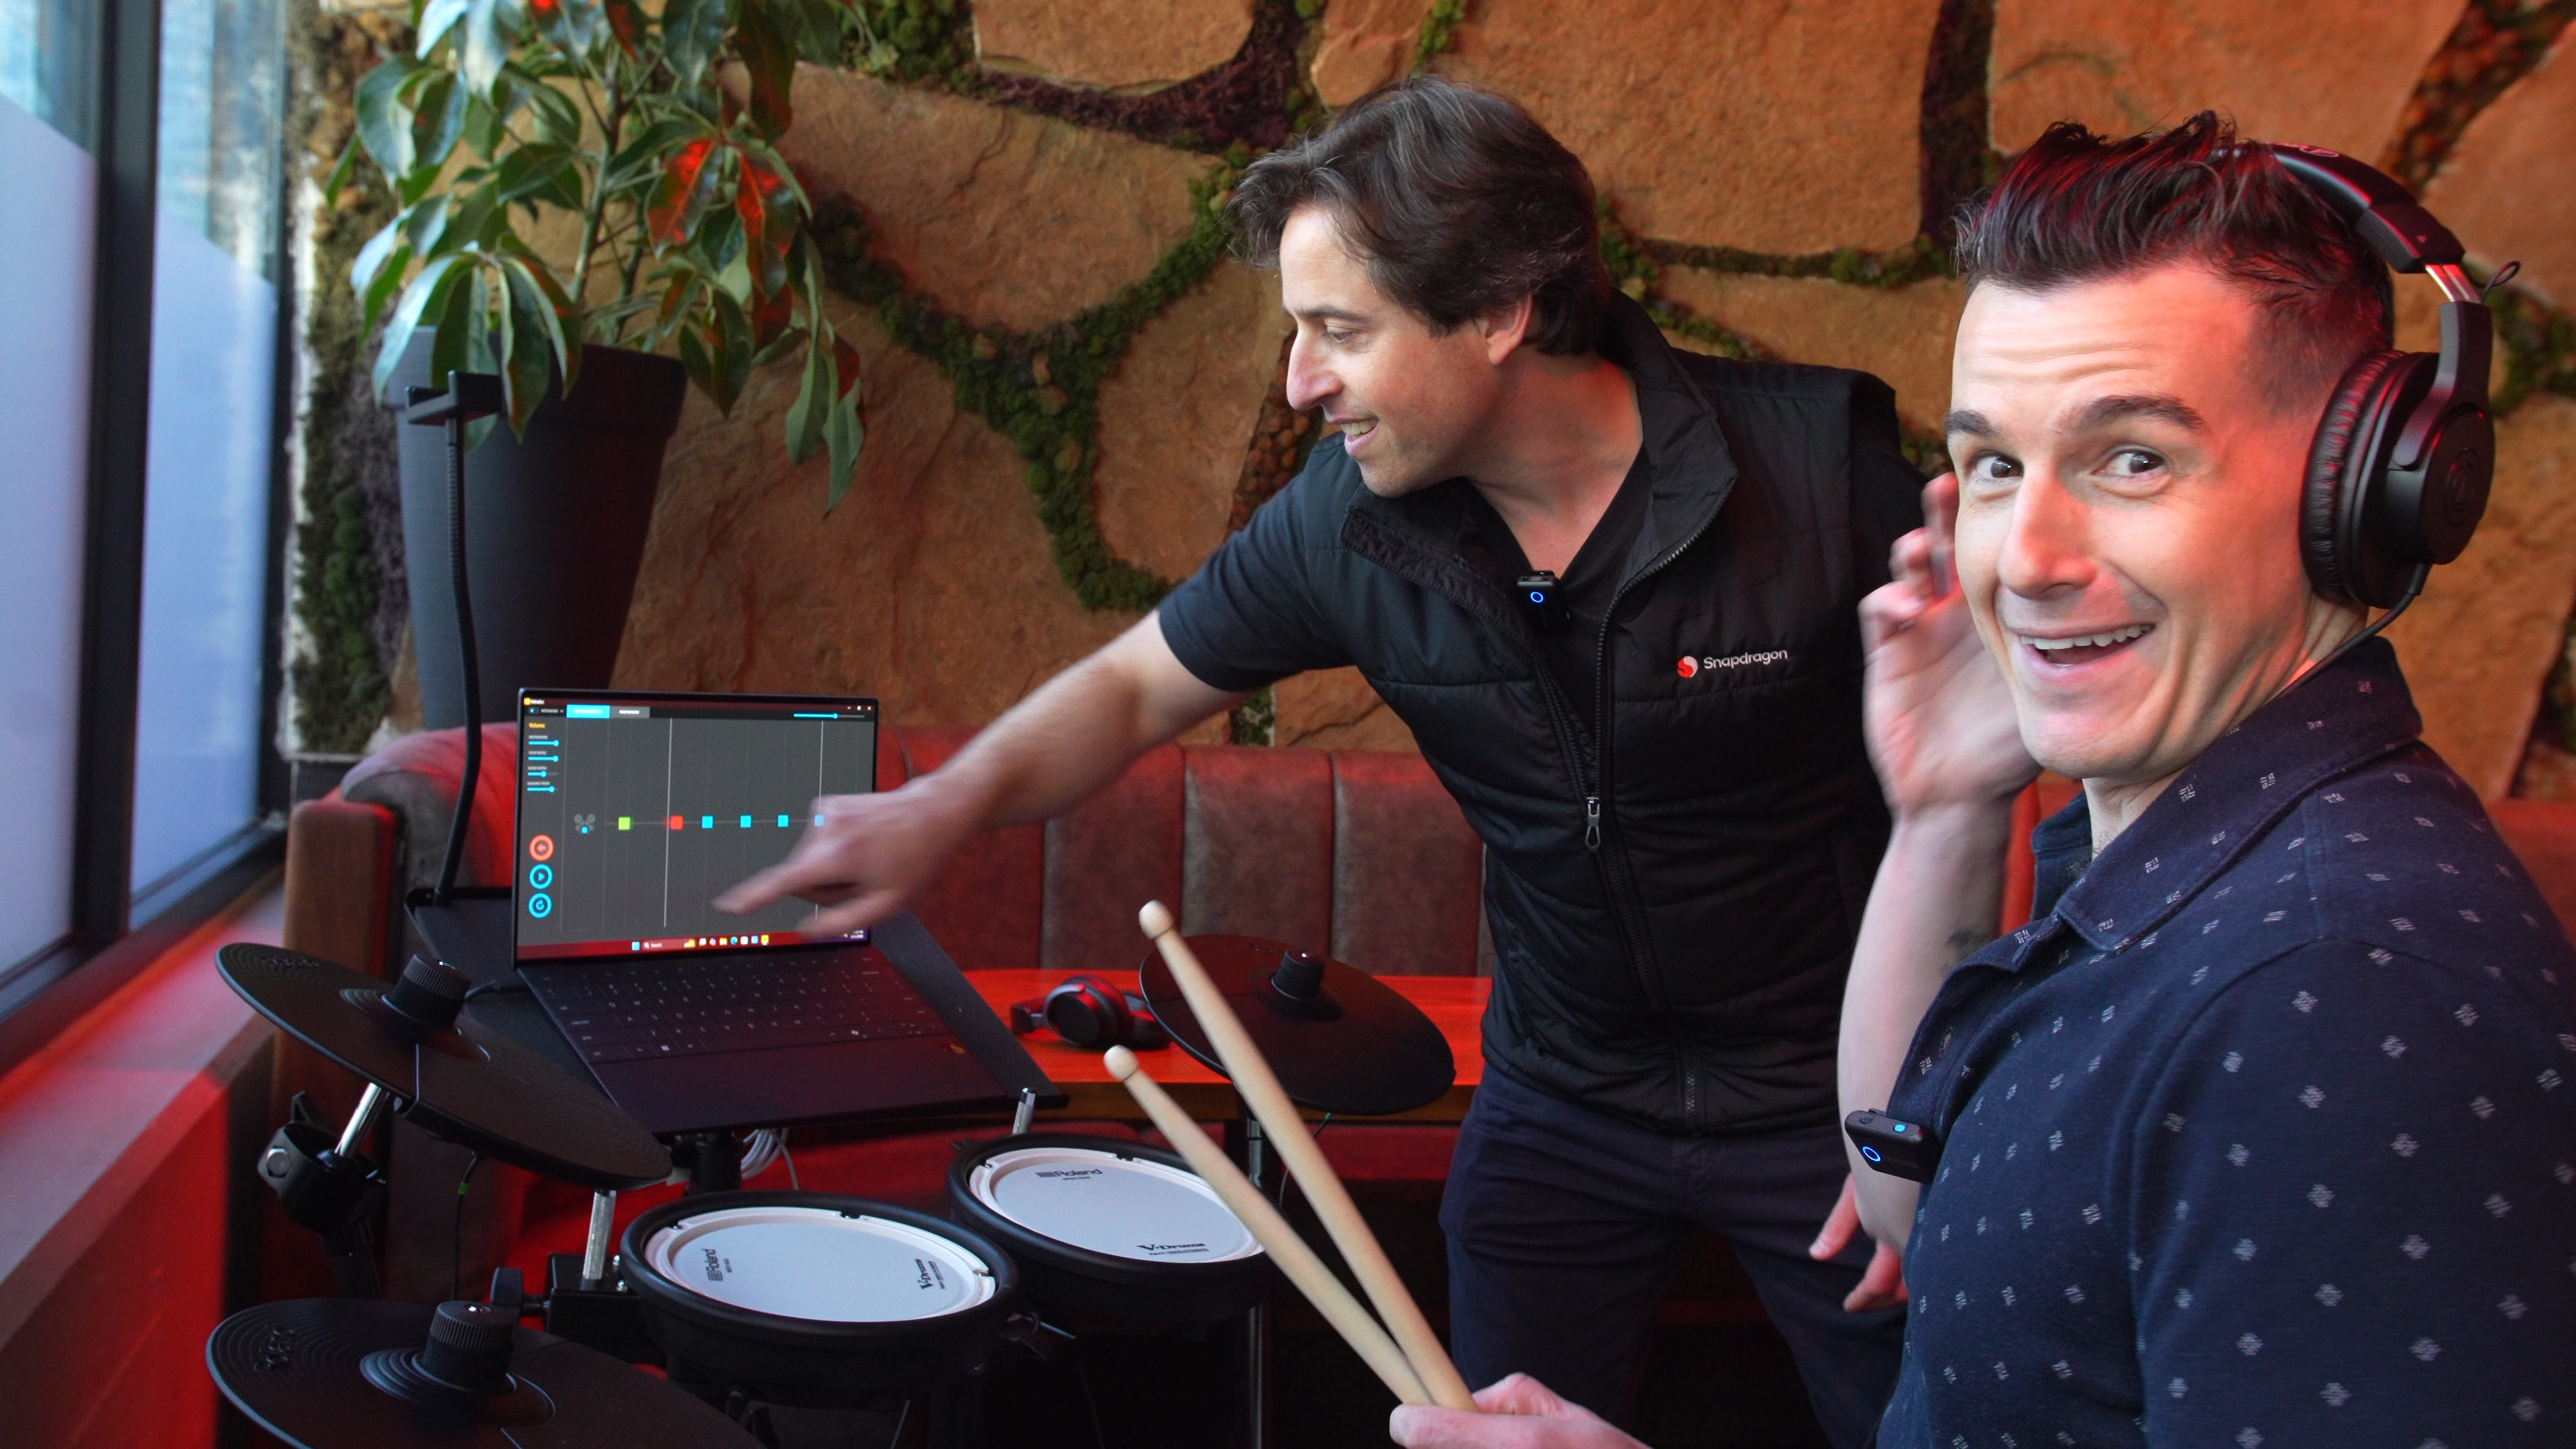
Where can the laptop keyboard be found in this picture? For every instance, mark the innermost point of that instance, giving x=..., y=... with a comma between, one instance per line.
x=628, y=1010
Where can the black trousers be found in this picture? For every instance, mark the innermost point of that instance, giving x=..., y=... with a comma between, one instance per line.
x=1564, y=1225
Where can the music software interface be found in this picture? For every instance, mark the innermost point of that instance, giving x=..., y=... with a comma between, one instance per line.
x=635, y=812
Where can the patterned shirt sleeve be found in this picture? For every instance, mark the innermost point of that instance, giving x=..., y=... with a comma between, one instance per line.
x=2355, y=1211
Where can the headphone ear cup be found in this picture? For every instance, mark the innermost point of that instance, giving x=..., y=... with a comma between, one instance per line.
x=2343, y=538
x=1088, y=1012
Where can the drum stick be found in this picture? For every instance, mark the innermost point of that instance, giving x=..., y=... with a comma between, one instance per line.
x=1268, y=1228
x=1296, y=1146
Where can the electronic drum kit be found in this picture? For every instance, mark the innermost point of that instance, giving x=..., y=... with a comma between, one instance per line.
x=767, y=1311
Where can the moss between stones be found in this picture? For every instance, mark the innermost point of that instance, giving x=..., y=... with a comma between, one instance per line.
x=1041, y=389
x=1438, y=32
x=349, y=605
x=2496, y=43
x=1255, y=721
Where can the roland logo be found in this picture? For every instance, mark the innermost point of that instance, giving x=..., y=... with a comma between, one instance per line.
x=715, y=1266
x=1162, y=1250
x=277, y=1350
x=931, y=1277
x=1069, y=1172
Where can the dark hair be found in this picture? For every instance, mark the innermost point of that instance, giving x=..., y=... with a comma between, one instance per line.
x=2077, y=207
x=1456, y=200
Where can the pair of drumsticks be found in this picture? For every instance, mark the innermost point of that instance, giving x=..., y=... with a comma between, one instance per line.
x=1411, y=1363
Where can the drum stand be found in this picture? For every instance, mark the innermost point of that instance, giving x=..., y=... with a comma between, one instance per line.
x=329, y=1187
x=1244, y=1141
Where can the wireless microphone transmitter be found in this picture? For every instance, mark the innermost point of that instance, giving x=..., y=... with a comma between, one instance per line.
x=1899, y=1149
x=1542, y=599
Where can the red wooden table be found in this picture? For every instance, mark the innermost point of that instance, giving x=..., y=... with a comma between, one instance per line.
x=1455, y=1003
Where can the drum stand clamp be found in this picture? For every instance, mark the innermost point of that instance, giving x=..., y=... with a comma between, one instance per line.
x=327, y=1186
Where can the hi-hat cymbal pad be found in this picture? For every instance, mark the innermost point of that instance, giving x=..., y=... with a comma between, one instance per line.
x=461, y=1081
x=1338, y=1039
x=323, y=1373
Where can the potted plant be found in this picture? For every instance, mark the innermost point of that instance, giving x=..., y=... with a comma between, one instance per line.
x=648, y=138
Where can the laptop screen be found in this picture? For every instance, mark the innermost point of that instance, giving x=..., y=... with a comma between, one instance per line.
x=636, y=810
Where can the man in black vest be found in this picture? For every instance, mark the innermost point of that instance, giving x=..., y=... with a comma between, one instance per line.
x=1665, y=762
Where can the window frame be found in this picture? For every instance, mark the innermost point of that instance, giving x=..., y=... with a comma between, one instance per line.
x=107, y=943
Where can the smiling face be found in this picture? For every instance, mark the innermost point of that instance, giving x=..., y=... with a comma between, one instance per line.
x=1411, y=404
x=2128, y=516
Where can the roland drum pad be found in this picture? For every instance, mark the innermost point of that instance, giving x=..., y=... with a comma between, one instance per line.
x=814, y=1299
x=1106, y=1229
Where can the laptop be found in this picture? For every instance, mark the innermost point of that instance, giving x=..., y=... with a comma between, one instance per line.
x=635, y=811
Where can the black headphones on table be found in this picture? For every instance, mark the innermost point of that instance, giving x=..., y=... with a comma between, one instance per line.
x=2398, y=474
x=1089, y=1012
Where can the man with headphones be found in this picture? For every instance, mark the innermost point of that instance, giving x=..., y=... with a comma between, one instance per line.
x=2263, y=1129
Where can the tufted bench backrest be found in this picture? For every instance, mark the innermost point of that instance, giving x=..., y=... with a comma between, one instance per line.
x=1361, y=853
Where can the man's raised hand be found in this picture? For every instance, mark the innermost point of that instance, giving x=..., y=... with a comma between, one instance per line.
x=1938, y=714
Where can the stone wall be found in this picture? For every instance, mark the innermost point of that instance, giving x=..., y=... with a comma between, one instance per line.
x=1778, y=175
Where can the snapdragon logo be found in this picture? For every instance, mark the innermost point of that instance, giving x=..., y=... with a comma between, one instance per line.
x=1691, y=667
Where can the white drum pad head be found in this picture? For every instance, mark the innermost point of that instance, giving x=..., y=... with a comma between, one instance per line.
x=1121, y=1206
x=814, y=1263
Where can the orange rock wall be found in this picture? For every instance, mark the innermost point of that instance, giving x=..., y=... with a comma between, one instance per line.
x=1747, y=144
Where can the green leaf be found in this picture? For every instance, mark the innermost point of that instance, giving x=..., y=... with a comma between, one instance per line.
x=771, y=64
x=530, y=344
x=778, y=347
x=427, y=295
x=558, y=118
x=478, y=216
x=844, y=434
x=486, y=46
x=341, y=170
x=371, y=257
x=460, y=344
x=384, y=122
x=571, y=26
x=424, y=224
x=536, y=171
x=693, y=31
x=440, y=121
x=436, y=19
x=381, y=286
x=693, y=360
x=730, y=349
x=640, y=161
x=805, y=417
x=485, y=128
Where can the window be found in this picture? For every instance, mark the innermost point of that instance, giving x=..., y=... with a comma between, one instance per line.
x=48, y=190
x=214, y=366
x=141, y=220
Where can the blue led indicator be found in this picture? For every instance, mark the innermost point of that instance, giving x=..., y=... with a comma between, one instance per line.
x=746, y=823
x=1872, y=1154
x=782, y=822
x=1537, y=597
x=706, y=822
x=541, y=876
x=540, y=906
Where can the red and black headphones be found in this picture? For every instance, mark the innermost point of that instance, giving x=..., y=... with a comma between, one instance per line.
x=2398, y=474
x=1089, y=1012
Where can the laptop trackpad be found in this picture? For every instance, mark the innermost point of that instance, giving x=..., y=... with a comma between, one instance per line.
x=783, y=1086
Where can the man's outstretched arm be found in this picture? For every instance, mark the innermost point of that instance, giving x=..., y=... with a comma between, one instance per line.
x=870, y=854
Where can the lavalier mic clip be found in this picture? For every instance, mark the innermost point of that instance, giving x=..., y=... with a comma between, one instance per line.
x=1542, y=601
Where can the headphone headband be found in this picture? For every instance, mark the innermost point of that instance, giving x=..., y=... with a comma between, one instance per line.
x=2400, y=466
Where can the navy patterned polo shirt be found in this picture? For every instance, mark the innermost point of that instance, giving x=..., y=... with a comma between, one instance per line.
x=2262, y=1131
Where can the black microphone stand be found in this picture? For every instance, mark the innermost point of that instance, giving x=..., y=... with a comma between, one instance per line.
x=467, y=396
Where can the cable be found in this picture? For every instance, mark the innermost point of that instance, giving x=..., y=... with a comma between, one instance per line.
x=790, y=1159
x=1082, y=1375
x=456, y=1244
x=895, y=1440
x=497, y=988
x=2414, y=587
x=1281, y=1200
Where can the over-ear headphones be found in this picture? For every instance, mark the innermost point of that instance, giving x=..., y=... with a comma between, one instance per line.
x=2398, y=473
x=1088, y=1011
